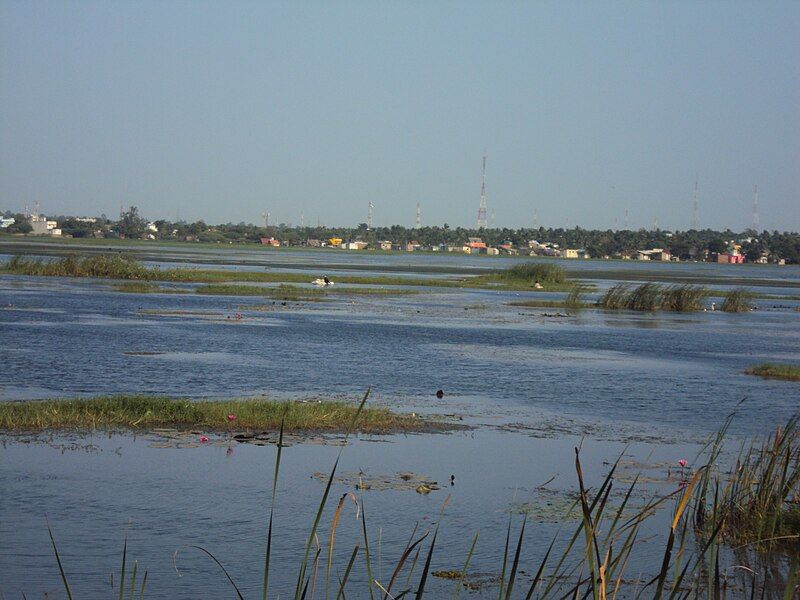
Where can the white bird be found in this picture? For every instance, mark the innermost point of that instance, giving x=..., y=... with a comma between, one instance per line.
x=322, y=281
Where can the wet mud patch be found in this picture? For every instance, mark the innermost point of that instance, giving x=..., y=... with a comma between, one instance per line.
x=174, y=438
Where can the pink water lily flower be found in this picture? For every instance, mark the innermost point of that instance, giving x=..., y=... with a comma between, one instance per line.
x=231, y=417
x=683, y=462
x=204, y=438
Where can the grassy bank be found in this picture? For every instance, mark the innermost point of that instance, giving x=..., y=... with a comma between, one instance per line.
x=787, y=372
x=147, y=412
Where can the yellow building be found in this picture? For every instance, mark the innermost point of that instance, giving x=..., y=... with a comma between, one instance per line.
x=335, y=242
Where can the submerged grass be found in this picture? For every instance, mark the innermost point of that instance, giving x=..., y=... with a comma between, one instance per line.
x=147, y=412
x=651, y=297
x=787, y=372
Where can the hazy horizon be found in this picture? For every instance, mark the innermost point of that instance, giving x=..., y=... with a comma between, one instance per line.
x=222, y=111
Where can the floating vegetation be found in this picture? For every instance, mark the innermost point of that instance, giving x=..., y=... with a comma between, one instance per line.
x=404, y=481
x=651, y=297
x=737, y=300
x=786, y=372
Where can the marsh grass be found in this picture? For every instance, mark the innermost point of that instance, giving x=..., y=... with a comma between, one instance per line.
x=651, y=297
x=551, y=277
x=147, y=412
x=787, y=372
x=106, y=266
x=737, y=300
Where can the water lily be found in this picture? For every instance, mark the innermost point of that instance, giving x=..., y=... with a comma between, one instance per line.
x=203, y=438
x=231, y=417
x=683, y=462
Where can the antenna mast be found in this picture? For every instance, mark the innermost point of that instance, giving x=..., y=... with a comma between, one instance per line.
x=419, y=217
x=482, y=208
x=370, y=206
x=695, y=216
x=755, y=210
x=265, y=216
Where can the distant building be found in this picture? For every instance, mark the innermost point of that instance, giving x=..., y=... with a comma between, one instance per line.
x=357, y=245
x=314, y=243
x=654, y=254
x=334, y=241
x=270, y=241
x=412, y=246
x=41, y=226
x=727, y=258
x=574, y=253
x=7, y=222
x=386, y=245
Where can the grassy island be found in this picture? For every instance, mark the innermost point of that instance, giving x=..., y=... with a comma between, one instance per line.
x=787, y=372
x=148, y=412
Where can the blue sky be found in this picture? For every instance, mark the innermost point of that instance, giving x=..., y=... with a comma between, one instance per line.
x=224, y=110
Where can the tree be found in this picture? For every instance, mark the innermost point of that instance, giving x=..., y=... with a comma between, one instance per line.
x=131, y=225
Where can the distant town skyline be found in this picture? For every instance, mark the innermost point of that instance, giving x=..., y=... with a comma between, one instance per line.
x=589, y=114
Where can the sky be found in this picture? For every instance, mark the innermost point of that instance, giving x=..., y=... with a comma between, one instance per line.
x=223, y=111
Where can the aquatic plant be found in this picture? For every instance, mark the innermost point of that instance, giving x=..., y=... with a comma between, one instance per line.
x=737, y=300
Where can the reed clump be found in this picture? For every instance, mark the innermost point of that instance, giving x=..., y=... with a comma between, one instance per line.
x=757, y=504
x=651, y=297
x=737, y=300
x=786, y=372
x=147, y=412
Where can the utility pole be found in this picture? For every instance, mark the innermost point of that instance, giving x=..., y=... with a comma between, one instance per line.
x=265, y=216
x=695, y=207
x=418, y=222
x=482, y=208
x=370, y=206
x=756, y=223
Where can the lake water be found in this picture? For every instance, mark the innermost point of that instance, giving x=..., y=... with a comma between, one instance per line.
x=533, y=385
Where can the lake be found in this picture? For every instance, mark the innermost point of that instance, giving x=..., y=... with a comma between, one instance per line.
x=531, y=384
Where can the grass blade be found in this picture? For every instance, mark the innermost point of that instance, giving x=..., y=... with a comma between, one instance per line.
x=265, y=587
x=58, y=560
